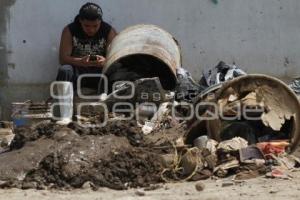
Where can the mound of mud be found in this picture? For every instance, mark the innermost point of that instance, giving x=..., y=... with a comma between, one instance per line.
x=118, y=170
x=127, y=129
x=117, y=156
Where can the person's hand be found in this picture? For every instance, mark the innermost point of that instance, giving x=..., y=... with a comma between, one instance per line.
x=85, y=61
x=99, y=62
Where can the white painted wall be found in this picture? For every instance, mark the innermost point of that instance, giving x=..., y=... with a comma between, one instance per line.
x=261, y=36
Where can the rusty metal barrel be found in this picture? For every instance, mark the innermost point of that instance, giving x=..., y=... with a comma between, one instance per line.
x=146, y=45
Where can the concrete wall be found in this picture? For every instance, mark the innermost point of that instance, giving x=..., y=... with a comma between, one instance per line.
x=261, y=36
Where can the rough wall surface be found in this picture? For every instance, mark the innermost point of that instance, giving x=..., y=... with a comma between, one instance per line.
x=260, y=36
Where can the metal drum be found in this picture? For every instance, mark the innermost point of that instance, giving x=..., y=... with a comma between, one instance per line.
x=145, y=47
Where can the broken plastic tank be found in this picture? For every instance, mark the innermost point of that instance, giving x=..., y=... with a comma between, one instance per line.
x=258, y=108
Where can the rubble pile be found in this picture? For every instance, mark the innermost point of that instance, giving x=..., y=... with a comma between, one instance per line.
x=167, y=127
x=160, y=145
x=117, y=156
x=121, y=156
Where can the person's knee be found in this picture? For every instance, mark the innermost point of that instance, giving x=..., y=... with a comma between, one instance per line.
x=65, y=73
x=66, y=69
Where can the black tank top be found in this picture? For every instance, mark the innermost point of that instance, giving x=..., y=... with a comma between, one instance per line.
x=84, y=45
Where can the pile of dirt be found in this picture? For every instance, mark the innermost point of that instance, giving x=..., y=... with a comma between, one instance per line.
x=33, y=133
x=119, y=170
x=120, y=128
x=73, y=164
x=117, y=156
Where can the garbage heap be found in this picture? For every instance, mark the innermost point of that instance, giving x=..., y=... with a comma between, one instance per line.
x=230, y=124
x=158, y=146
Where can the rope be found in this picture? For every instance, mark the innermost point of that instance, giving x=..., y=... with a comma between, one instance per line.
x=176, y=168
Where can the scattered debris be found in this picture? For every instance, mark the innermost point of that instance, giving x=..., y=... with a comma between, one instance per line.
x=148, y=127
x=256, y=126
x=227, y=183
x=252, y=170
x=221, y=73
x=295, y=86
x=88, y=185
x=6, y=135
x=153, y=187
x=278, y=173
x=273, y=191
x=199, y=186
x=201, y=142
x=186, y=88
x=276, y=147
x=250, y=153
x=223, y=169
x=191, y=161
x=28, y=112
x=161, y=119
x=211, y=145
x=145, y=90
x=234, y=144
x=154, y=146
x=140, y=193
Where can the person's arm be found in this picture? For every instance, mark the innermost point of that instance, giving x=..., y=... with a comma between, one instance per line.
x=65, y=51
x=112, y=34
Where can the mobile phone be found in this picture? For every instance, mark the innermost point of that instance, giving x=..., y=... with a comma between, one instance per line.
x=93, y=57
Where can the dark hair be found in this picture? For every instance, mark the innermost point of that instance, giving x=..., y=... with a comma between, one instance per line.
x=90, y=11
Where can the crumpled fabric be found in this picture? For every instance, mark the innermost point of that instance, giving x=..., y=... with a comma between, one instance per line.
x=275, y=148
x=295, y=86
x=221, y=73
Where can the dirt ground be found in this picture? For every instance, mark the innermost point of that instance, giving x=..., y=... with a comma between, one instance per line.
x=260, y=188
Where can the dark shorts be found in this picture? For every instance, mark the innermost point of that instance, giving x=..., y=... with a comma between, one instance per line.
x=71, y=74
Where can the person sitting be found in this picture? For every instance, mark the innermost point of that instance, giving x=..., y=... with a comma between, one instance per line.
x=84, y=44
x=83, y=48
